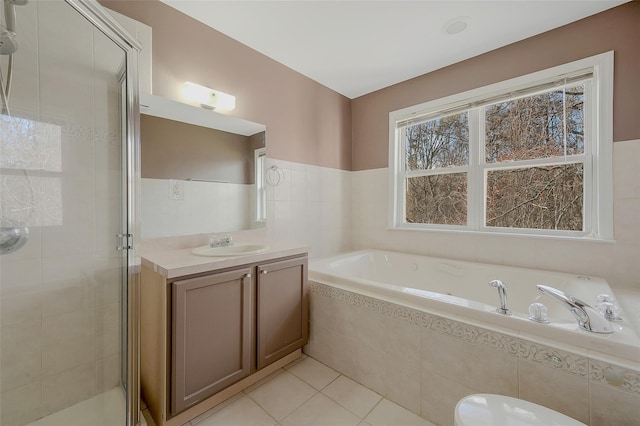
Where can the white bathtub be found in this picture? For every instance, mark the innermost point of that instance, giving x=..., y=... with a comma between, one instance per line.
x=460, y=291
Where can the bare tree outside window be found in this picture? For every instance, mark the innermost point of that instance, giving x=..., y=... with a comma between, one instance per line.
x=544, y=128
x=436, y=144
x=536, y=198
x=443, y=142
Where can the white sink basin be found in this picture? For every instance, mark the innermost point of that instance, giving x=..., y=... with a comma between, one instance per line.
x=232, y=250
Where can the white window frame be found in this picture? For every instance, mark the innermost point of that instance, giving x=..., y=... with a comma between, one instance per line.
x=259, y=161
x=597, y=156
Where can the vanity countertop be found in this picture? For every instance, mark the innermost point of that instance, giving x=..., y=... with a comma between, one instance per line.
x=174, y=263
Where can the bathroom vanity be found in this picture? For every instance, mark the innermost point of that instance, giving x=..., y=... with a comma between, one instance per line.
x=212, y=326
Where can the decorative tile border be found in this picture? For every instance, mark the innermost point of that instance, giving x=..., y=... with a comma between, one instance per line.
x=391, y=310
x=498, y=341
x=597, y=371
x=457, y=329
x=612, y=375
x=555, y=358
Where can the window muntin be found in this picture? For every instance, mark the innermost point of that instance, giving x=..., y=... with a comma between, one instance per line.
x=569, y=143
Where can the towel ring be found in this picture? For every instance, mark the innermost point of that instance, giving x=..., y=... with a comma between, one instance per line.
x=275, y=176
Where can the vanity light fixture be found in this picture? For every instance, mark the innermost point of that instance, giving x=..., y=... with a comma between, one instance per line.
x=208, y=98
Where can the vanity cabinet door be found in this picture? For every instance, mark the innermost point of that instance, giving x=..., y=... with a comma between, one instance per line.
x=212, y=319
x=282, y=309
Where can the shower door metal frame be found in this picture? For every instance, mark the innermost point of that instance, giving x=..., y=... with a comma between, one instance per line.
x=103, y=21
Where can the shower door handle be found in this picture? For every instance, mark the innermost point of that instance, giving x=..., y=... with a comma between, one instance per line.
x=123, y=241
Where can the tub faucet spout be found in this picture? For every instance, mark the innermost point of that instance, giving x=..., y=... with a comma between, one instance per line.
x=502, y=293
x=588, y=318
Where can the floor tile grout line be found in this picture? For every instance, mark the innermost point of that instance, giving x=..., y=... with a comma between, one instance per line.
x=304, y=402
x=304, y=380
x=263, y=381
x=328, y=384
x=216, y=409
x=265, y=411
x=298, y=406
x=373, y=408
x=314, y=394
x=347, y=408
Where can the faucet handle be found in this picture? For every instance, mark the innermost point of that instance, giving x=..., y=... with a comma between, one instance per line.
x=605, y=298
x=217, y=240
x=608, y=307
x=538, y=313
x=609, y=310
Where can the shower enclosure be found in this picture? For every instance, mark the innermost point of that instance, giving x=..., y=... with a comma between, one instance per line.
x=68, y=242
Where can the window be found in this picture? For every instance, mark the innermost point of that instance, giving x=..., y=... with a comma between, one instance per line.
x=531, y=155
x=30, y=172
x=260, y=156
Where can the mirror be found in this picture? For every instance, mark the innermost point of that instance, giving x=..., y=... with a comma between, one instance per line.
x=199, y=170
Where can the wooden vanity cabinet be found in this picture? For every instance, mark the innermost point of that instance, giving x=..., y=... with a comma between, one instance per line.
x=208, y=336
x=211, y=324
x=282, y=309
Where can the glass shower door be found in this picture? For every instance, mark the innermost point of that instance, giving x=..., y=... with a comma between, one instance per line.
x=63, y=201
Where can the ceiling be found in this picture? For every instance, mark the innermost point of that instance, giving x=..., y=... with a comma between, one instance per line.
x=357, y=47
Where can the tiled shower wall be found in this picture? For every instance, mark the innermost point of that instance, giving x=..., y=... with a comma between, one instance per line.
x=427, y=363
x=617, y=262
x=60, y=293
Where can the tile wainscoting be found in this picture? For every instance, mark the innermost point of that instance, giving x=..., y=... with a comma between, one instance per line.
x=616, y=262
x=310, y=205
x=427, y=363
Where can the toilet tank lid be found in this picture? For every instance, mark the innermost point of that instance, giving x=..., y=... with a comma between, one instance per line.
x=489, y=410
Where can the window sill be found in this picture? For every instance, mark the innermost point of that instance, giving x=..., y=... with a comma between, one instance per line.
x=586, y=239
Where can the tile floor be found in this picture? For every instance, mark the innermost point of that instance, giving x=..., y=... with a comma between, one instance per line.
x=307, y=392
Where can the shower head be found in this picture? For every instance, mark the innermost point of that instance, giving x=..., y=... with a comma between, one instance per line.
x=8, y=42
x=11, y=239
x=10, y=13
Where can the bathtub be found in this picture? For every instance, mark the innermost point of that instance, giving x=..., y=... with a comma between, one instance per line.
x=459, y=291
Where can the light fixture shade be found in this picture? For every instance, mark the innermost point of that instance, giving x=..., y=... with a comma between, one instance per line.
x=208, y=98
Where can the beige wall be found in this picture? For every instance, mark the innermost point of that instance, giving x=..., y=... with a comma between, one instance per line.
x=311, y=124
x=306, y=122
x=617, y=29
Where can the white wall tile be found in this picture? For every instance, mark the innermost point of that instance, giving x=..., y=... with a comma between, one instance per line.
x=613, y=261
x=49, y=329
x=67, y=354
x=108, y=370
x=21, y=354
x=68, y=387
x=20, y=308
x=626, y=223
x=626, y=169
x=313, y=208
x=21, y=405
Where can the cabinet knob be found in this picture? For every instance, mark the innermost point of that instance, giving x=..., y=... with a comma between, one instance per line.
x=247, y=276
x=264, y=271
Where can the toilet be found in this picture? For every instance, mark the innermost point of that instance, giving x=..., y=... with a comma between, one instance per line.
x=485, y=409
